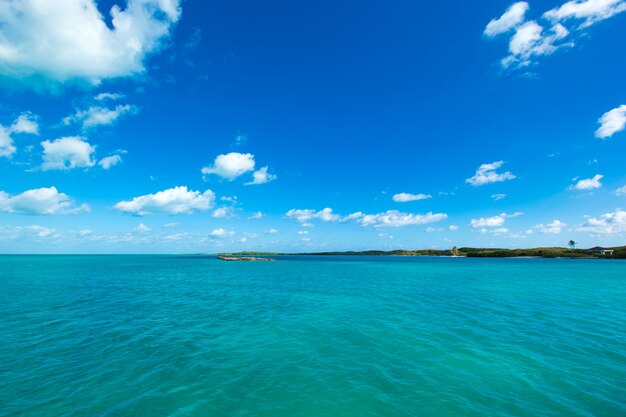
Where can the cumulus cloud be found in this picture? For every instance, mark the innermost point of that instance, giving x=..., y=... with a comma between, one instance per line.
x=26, y=123
x=100, y=116
x=83, y=47
x=621, y=190
x=271, y=231
x=588, y=183
x=109, y=96
x=142, y=228
x=590, y=11
x=305, y=215
x=606, y=224
x=395, y=218
x=256, y=215
x=67, y=153
x=487, y=174
x=223, y=212
x=554, y=227
x=231, y=165
x=532, y=39
x=40, y=201
x=511, y=18
x=390, y=218
x=612, y=122
x=110, y=161
x=261, y=176
x=221, y=233
x=7, y=148
x=406, y=197
x=177, y=200
x=494, y=221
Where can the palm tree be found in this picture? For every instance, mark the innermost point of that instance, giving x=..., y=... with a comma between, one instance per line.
x=571, y=244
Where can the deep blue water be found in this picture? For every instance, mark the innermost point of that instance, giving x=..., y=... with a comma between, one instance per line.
x=311, y=336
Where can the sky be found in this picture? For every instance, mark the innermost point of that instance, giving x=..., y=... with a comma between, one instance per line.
x=173, y=126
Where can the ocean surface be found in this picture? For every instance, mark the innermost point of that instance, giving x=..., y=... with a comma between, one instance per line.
x=311, y=336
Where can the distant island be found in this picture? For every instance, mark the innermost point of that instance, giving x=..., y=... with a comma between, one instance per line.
x=597, y=252
x=241, y=257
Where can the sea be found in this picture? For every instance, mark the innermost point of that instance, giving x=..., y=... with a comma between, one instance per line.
x=304, y=336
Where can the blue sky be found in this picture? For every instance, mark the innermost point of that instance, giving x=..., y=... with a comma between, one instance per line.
x=166, y=126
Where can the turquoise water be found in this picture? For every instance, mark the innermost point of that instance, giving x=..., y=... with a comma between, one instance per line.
x=339, y=336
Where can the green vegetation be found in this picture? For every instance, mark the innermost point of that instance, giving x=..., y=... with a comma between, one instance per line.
x=549, y=252
x=250, y=253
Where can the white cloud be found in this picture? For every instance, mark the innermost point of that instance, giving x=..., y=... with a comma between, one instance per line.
x=109, y=96
x=7, y=148
x=352, y=216
x=606, y=224
x=497, y=197
x=406, y=197
x=531, y=40
x=221, y=233
x=177, y=200
x=99, y=116
x=171, y=225
x=494, y=221
x=488, y=221
x=302, y=216
x=621, y=190
x=513, y=16
x=591, y=11
x=551, y=228
x=40, y=231
x=85, y=232
x=390, y=218
x=487, y=174
x=261, y=176
x=67, y=153
x=142, y=228
x=176, y=237
x=303, y=232
x=44, y=201
x=256, y=215
x=453, y=227
x=231, y=165
x=83, y=47
x=110, y=161
x=271, y=231
x=395, y=218
x=588, y=183
x=612, y=122
x=25, y=123
x=223, y=212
